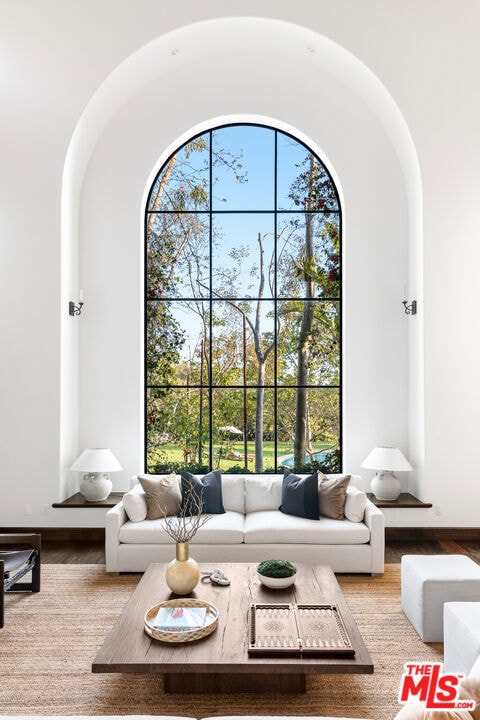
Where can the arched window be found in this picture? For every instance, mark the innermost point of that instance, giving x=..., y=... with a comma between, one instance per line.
x=243, y=306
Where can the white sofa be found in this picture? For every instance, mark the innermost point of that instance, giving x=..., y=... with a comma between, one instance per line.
x=253, y=529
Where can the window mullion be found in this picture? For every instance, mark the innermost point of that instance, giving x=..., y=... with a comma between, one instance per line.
x=182, y=242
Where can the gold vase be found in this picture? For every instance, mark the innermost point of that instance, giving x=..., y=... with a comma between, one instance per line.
x=182, y=574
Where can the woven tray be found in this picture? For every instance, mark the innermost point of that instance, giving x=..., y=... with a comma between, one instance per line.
x=299, y=630
x=211, y=622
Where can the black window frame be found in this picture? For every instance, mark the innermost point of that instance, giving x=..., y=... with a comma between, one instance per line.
x=210, y=387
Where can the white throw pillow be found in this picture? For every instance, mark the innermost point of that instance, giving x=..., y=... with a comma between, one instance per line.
x=263, y=492
x=233, y=493
x=355, y=504
x=135, y=504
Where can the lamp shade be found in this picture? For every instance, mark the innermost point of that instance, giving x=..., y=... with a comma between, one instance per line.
x=96, y=460
x=386, y=458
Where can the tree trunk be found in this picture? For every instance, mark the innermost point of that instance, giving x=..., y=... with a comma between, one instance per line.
x=259, y=418
x=261, y=357
x=200, y=410
x=305, y=335
x=301, y=414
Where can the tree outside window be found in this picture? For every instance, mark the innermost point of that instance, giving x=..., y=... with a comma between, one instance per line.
x=243, y=307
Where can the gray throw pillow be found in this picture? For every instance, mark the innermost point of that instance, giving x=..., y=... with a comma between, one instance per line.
x=300, y=495
x=162, y=493
x=332, y=493
x=207, y=490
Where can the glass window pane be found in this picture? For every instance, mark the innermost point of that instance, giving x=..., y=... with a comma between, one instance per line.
x=177, y=343
x=302, y=180
x=183, y=182
x=309, y=332
x=177, y=429
x=165, y=340
x=243, y=347
x=243, y=168
x=308, y=256
x=321, y=411
x=251, y=412
x=243, y=255
x=178, y=255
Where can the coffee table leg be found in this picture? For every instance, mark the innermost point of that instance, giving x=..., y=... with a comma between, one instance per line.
x=241, y=682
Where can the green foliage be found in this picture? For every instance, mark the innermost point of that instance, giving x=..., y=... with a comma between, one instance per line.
x=237, y=342
x=313, y=189
x=164, y=341
x=324, y=466
x=276, y=568
x=332, y=462
x=164, y=468
x=237, y=470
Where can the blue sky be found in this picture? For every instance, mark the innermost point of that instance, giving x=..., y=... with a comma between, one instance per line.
x=254, y=147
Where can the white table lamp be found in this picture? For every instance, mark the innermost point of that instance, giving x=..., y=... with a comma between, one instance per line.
x=386, y=460
x=96, y=463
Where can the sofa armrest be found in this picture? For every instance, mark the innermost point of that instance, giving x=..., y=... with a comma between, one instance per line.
x=114, y=520
x=375, y=521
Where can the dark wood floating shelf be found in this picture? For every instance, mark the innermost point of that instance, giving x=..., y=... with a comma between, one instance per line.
x=404, y=500
x=78, y=501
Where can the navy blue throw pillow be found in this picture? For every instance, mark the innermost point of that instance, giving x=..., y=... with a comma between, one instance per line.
x=300, y=496
x=208, y=489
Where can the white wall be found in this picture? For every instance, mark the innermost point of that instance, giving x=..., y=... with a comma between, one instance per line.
x=49, y=410
x=112, y=239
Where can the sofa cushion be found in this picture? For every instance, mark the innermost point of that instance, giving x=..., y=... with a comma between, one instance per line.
x=300, y=495
x=273, y=526
x=233, y=493
x=263, y=492
x=135, y=504
x=207, y=489
x=332, y=493
x=355, y=504
x=162, y=493
x=226, y=529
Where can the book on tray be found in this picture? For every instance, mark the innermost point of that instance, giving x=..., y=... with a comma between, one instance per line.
x=180, y=619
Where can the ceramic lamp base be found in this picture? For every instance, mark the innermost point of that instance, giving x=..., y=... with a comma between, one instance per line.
x=96, y=486
x=386, y=486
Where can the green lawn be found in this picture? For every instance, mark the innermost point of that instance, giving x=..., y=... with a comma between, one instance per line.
x=173, y=453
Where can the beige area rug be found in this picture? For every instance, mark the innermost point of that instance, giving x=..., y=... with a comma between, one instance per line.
x=50, y=639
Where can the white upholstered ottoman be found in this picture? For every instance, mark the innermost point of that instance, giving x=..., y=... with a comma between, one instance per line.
x=461, y=623
x=429, y=581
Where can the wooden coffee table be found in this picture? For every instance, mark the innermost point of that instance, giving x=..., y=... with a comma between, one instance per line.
x=220, y=663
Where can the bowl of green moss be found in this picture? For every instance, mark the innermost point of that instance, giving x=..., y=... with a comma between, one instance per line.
x=276, y=573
